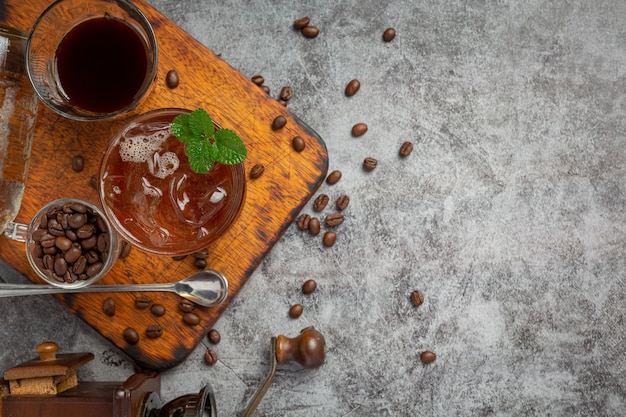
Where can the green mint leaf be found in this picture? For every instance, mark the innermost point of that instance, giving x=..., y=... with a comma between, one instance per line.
x=201, y=123
x=202, y=155
x=180, y=128
x=230, y=147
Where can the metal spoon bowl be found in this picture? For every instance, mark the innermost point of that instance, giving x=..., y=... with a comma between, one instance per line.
x=207, y=288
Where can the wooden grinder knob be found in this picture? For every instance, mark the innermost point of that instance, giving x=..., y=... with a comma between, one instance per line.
x=47, y=351
x=308, y=348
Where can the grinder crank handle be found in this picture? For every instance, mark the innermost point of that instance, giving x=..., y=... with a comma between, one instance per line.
x=308, y=349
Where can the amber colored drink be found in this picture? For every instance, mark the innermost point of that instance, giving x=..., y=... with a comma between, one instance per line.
x=153, y=198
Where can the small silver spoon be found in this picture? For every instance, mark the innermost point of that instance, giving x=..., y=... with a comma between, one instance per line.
x=207, y=288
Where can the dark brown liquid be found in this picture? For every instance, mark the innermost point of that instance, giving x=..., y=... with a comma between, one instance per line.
x=102, y=64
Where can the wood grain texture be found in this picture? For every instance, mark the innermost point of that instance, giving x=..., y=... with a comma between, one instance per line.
x=272, y=200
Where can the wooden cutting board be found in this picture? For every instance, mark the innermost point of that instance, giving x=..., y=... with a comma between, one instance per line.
x=272, y=200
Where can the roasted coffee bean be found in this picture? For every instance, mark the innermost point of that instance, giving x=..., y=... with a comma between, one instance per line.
x=94, y=269
x=55, y=228
x=406, y=148
x=38, y=234
x=171, y=79
x=258, y=80
x=80, y=266
x=214, y=336
x=48, y=261
x=295, y=311
x=301, y=23
x=329, y=239
x=201, y=254
x=265, y=88
x=101, y=224
x=314, y=226
x=191, y=319
x=38, y=251
x=71, y=235
x=200, y=263
x=210, y=357
x=103, y=242
x=73, y=253
x=86, y=231
x=342, y=202
x=428, y=357
x=78, y=207
x=47, y=240
x=124, y=249
x=281, y=101
x=298, y=144
x=370, y=164
x=142, y=302
x=333, y=177
x=309, y=286
x=320, y=203
x=89, y=243
x=62, y=243
x=359, y=129
x=417, y=298
x=157, y=309
x=78, y=163
x=303, y=221
x=108, y=306
x=92, y=256
x=352, y=87
x=131, y=336
x=60, y=266
x=389, y=34
x=310, y=31
x=286, y=93
x=154, y=331
x=77, y=220
x=186, y=306
x=279, y=122
x=257, y=171
x=179, y=257
x=93, y=181
x=334, y=219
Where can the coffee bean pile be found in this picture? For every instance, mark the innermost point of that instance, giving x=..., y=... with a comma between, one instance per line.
x=153, y=331
x=72, y=243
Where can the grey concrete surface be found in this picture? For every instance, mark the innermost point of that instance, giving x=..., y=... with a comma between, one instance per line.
x=508, y=215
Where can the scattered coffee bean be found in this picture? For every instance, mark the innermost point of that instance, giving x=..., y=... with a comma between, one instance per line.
x=389, y=34
x=309, y=286
x=370, y=164
x=153, y=332
x=286, y=93
x=191, y=319
x=334, y=219
x=352, y=87
x=214, y=336
x=303, y=221
x=428, y=357
x=142, y=302
x=179, y=258
x=124, y=249
x=310, y=31
x=301, y=23
x=342, y=202
x=258, y=80
x=406, y=148
x=171, y=79
x=93, y=181
x=157, y=309
x=417, y=298
x=257, y=171
x=295, y=311
x=131, y=336
x=359, y=129
x=298, y=144
x=186, y=306
x=333, y=177
x=200, y=263
x=281, y=101
x=329, y=239
x=314, y=226
x=78, y=163
x=320, y=203
x=279, y=122
x=266, y=89
x=210, y=357
x=201, y=254
x=108, y=306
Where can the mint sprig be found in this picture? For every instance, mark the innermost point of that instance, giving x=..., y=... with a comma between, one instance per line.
x=204, y=144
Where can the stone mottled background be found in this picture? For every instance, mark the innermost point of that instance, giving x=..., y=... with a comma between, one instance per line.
x=509, y=214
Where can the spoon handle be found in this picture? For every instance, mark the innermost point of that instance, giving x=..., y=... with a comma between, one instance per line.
x=13, y=290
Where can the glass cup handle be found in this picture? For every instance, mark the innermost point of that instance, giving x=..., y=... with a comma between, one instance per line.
x=16, y=231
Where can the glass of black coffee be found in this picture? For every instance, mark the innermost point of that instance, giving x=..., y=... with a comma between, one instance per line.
x=91, y=59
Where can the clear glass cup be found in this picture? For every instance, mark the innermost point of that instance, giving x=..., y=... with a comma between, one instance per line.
x=154, y=200
x=34, y=236
x=92, y=59
x=18, y=112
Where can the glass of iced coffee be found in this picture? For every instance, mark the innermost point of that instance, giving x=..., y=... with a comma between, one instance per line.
x=155, y=200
